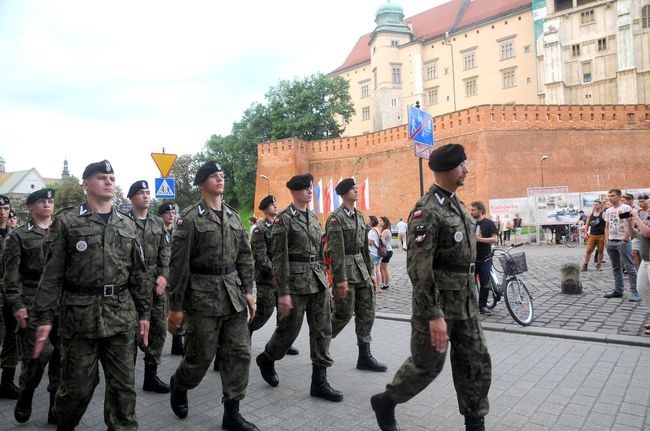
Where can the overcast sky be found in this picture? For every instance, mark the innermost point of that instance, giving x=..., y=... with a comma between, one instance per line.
x=121, y=79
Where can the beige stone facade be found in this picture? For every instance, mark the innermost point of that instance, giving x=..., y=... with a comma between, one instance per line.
x=452, y=57
x=595, y=52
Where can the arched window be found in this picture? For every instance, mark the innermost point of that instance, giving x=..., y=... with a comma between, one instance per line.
x=645, y=17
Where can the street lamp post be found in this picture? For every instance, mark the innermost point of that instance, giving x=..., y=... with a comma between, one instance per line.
x=541, y=166
x=268, y=184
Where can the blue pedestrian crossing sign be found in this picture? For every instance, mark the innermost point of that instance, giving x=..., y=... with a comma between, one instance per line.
x=420, y=126
x=165, y=188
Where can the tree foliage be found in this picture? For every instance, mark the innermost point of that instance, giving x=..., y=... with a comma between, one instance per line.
x=316, y=107
x=184, y=170
x=68, y=193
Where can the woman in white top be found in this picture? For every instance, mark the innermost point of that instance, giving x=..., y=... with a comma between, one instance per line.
x=386, y=237
x=373, y=243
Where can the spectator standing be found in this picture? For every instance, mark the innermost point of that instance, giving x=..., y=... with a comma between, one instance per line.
x=516, y=224
x=402, y=227
x=618, y=245
x=252, y=221
x=498, y=223
x=373, y=248
x=486, y=235
x=386, y=237
x=506, y=228
x=643, y=280
x=644, y=215
x=595, y=233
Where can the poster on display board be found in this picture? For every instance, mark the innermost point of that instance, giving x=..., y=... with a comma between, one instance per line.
x=554, y=205
x=637, y=192
x=587, y=199
x=509, y=207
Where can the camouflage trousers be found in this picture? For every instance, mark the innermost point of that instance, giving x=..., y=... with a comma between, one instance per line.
x=157, y=330
x=267, y=299
x=470, y=364
x=79, y=377
x=31, y=370
x=361, y=301
x=317, y=307
x=202, y=336
x=9, y=352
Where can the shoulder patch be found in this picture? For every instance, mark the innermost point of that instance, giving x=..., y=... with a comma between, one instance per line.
x=179, y=222
x=256, y=230
x=332, y=220
x=8, y=237
x=417, y=214
x=278, y=221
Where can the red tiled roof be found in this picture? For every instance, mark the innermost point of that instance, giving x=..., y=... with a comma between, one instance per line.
x=438, y=20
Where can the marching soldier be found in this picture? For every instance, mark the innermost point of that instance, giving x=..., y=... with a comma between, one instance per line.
x=156, y=242
x=95, y=280
x=440, y=263
x=302, y=286
x=9, y=352
x=211, y=279
x=23, y=261
x=347, y=245
x=167, y=213
x=267, y=293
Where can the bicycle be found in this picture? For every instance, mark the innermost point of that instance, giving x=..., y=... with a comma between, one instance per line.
x=517, y=298
x=573, y=238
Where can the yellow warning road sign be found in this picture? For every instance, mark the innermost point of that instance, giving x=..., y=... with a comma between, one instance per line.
x=165, y=162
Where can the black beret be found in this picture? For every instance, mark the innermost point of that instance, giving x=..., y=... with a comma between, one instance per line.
x=12, y=213
x=136, y=187
x=447, y=157
x=104, y=167
x=4, y=200
x=300, y=182
x=40, y=194
x=167, y=206
x=344, y=186
x=206, y=170
x=264, y=203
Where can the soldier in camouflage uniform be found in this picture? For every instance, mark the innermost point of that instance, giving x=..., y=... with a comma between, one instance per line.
x=94, y=279
x=23, y=261
x=9, y=352
x=298, y=267
x=347, y=245
x=441, y=254
x=211, y=279
x=267, y=293
x=156, y=242
x=167, y=213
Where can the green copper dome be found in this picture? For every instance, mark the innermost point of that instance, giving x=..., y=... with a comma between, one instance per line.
x=389, y=18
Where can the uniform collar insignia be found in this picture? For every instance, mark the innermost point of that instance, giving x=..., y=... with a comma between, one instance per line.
x=347, y=211
x=83, y=209
x=293, y=210
x=228, y=210
x=441, y=199
x=29, y=226
x=201, y=209
x=131, y=214
x=268, y=223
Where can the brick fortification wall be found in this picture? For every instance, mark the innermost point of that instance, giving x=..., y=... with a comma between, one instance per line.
x=590, y=148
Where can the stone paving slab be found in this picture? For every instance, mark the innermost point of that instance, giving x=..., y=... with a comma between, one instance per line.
x=539, y=383
x=587, y=312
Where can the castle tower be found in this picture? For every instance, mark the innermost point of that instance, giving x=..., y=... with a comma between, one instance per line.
x=65, y=173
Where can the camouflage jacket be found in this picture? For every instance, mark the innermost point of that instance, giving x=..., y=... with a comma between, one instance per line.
x=261, y=245
x=297, y=251
x=87, y=264
x=156, y=243
x=211, y=266
x=2, y=267
x=23, y=262
x=347, y=245
x=441, y=239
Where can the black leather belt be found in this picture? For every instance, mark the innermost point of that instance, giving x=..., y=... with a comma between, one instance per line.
x=150, y=262
x=304, y=258
x=353, y=251
x=105, y=290
x=214, y=270
x=615, y=240
x=460, y=269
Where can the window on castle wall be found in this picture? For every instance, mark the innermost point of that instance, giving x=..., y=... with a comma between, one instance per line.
x=471, y=87
x=365, y=113
x=586, y=72
x=508, y=79
x=602, y=44
x=469, y=61
x=587, y=17
x=364, y=90
x=396, y=75
x=432, y=97
x=645, y=17
x=507, y=50
x=432, y=71
x=575, y=50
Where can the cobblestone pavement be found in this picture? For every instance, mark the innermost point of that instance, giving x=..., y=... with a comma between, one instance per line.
x=588, y=311
x=539, y=383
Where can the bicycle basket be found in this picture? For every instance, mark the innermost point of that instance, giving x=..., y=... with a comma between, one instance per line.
x=514, y=263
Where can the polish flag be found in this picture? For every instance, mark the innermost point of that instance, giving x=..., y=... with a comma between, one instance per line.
x=337, y=198
x=328, y=197
x=364, y=195
x=318, y=196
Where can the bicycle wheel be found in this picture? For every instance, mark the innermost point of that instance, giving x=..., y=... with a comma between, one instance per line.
x=519, y=302
x=572, y=239
x=492, y=296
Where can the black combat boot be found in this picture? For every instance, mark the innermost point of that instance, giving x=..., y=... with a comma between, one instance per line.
x=64, y=428
x=293, y=351
x=367, y=362
x=267, y=369
x=151, y=381
x=233, y=420
x=7, y=388
x=23, y=409
x=178, y=400
x=51, y=417
x=474, y=423
x=384, y=409
x=177, y=345
x=320, y=387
